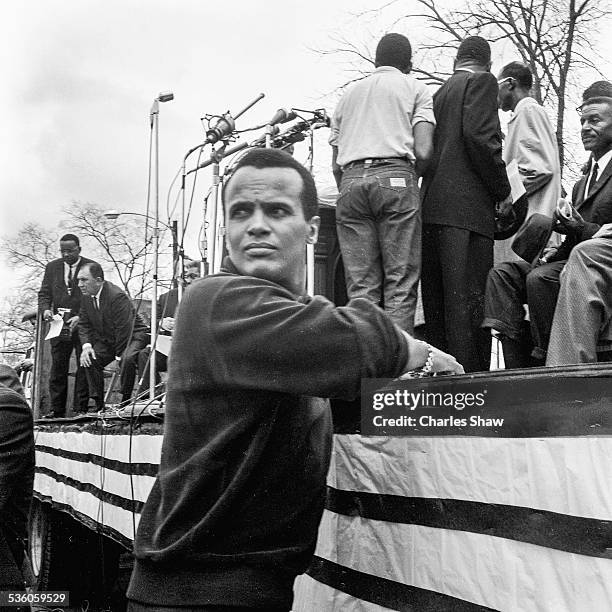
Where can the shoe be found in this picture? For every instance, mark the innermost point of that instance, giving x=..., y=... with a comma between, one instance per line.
x=94, y=406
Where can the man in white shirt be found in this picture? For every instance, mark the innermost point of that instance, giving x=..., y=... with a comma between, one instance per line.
x=381, y=137
x=532, y=143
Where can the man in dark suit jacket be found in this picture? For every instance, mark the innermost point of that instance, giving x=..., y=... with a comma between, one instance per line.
x=512, y=284
x=110, y=329
x=461, y=187
x=16, y=481
x=167, y=305
x=59, y=290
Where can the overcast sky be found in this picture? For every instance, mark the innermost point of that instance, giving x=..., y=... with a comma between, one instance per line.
x=79, y=78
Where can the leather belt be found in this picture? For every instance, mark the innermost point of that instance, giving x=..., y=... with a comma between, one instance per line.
x=372, y=161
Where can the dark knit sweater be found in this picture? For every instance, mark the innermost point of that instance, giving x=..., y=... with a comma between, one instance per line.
x=233, y=515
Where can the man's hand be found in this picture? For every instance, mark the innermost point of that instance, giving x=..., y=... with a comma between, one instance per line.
x=167, y=324
x=47, y=315
x=504, y=208
x=87, y=356
x=572, y=225
x=72, y=323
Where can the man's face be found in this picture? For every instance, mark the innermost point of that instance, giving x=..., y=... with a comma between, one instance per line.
x=266, y=227
x=87, y=283
x=596, y=131
x=70, y=251
x=191, y=274
x=505, y=100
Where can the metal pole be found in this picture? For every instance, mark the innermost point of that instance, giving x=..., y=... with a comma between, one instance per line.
x=152, y=360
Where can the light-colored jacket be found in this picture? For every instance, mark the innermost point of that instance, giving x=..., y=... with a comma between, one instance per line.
x=532, y=143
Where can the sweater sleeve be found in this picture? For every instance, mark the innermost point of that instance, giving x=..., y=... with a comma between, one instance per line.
x=45, y=294
x=16, y=442
x=244, y=333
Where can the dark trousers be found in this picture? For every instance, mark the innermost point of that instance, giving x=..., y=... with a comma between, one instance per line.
x=161, y=365
x=455, y=265
x=61, y=350
x=129, y=361
x=514, y=283
x=378, y=220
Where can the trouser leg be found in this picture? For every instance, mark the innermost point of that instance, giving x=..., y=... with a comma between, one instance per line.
x=432, y=289
x=95, y=372
x=58, y=375
x=584, y=304
x=542, y=287
x=465, y=259
x=129, y=362
x=399, y=236
x=81, y=391
x=358, y=239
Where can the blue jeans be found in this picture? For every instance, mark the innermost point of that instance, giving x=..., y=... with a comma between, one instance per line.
x=378, y=220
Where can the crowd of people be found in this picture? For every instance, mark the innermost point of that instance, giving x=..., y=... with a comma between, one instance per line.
x=232, y=517
x=388, y=131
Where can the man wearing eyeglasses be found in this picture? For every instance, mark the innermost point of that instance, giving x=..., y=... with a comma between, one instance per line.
x=167, y=305
x=532, y=143
x=60, y=294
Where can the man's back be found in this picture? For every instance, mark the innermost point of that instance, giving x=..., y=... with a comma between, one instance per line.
x=466, y=175
x=376, y=115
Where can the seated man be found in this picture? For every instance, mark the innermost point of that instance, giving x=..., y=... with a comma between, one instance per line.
x=16, y=483
x=584, y=305
x=512, y=284
x=110, y=329
x=233, y=515
x=166, y=309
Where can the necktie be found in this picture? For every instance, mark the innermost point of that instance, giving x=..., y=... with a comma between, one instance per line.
x=69, y=282
x=95, y=301
x=593, y=179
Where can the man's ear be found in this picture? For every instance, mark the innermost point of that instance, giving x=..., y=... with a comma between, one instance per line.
x=407, y=68
x=313, y=230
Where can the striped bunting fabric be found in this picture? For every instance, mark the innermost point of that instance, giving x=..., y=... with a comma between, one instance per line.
x=457, y=523
x=100, y=475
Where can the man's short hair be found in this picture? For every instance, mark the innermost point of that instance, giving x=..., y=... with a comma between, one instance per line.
x=599, y=89
x=70, y=238
x=95, y=269
x=475, y=49
x=393, y=50
x=519, y=72
x=275, y=158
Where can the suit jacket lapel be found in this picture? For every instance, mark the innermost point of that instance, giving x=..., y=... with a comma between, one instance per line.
x=580, y=193
x=601, y=181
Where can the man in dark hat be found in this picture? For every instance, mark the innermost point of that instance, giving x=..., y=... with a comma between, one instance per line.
x=512, y=284
x=462, y=186
x=381, y=136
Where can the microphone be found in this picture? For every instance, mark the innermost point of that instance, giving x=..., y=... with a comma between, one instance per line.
x=224, y=127
x=282, y=115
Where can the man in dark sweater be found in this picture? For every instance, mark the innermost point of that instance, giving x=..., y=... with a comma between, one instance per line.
x=16, y=483
x=233, y=515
